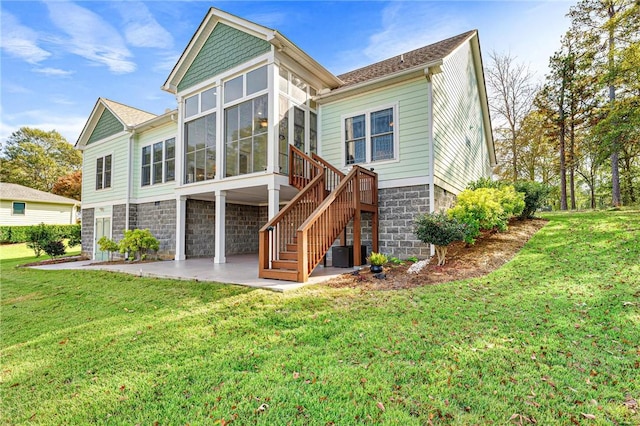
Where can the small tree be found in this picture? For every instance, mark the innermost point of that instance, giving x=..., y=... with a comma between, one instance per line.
x=108, y=245
x=37, y=237
x=54, y=248
x=137, y=242
x=440, y=230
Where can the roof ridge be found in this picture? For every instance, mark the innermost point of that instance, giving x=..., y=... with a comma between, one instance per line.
x=126, y=106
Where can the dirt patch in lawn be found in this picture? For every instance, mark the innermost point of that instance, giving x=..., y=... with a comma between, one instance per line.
x=491, y=250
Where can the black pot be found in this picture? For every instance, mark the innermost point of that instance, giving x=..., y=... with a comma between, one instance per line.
x=376, y=268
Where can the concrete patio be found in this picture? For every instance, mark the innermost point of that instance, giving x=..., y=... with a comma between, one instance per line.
x=239, y=269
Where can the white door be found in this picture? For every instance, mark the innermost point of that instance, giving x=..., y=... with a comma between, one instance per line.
x=103, y=229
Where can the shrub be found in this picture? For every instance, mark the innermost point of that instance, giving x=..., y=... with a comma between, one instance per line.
x=18, y=234
x=485, y=183
x=486, y=209
x=440, y=230
x=108, y=245
x=137, y=242
x=38, y=236
x=535, y=196
x=377, y=259
x=54, y=248
x=74, y=235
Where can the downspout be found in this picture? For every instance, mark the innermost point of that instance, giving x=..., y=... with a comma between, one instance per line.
x=132, y=134
x=429, y=72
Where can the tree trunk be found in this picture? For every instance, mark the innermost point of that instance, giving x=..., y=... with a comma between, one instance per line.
x=572, y=185
x=615, y=174
x=563, y=166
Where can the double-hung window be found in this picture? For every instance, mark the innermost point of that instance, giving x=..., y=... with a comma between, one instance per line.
x=370, y=136
x=199, y=137
x=103, y=172
x=246, y=124
x=158, y=162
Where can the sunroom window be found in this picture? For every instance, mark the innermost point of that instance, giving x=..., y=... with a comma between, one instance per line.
x=199, y=139
x=246, y=123
x=158, y=162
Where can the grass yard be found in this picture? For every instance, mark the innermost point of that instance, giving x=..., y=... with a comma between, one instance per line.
x=553, y=337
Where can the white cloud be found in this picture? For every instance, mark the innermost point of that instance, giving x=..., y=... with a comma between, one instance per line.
x=14, y=88
x=268, y=19
x=403, y=27
x=91, y=37
x=54, y=72
x=67, y=125
x=20, y=41
x=141, y=28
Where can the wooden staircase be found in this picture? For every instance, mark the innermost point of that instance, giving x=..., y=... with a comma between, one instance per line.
x=294, y=241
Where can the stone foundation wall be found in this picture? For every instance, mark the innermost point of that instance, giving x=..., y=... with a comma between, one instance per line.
x=88, y=223
x=444, y=199
x=242, y=226
x=159, y=217
x=118, y=222
x=200, y=228
x=398, y=210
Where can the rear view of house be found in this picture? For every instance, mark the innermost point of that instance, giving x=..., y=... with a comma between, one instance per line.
x=268, y=151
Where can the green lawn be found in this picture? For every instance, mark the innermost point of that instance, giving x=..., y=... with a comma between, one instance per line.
x=552, y=337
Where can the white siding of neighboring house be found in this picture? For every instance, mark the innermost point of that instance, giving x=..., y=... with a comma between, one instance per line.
x=36, y=213
x=460, y=146
x=159, y=134
x=117, y=147
x=412, y=100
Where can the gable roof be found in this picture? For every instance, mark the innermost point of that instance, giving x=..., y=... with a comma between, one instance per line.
x=13, y=191
x=406, y=61
x=277, y=40
x=128, y=116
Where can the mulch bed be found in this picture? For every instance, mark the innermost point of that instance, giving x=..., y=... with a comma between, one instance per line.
x=491, y=251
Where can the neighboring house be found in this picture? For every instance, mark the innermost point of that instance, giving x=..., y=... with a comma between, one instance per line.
x=20, y=205
x=206, y=177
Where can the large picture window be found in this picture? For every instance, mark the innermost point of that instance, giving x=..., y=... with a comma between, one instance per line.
x=246, y=128
x=199, y=140
x=370, y=136
x=103, y=172
x=158, y=162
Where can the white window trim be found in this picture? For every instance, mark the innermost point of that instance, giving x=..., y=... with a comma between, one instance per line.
x=367, y=114
x=164, y=163
x=13, y=209
x=95, y=172
x=200, y=112
x=244, y=96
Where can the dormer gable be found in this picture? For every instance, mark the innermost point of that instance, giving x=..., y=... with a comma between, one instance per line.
x=109, y=118
x=223, y=41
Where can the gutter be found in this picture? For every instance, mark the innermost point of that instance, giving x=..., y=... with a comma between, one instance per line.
x=132, y=133
x=378, y=82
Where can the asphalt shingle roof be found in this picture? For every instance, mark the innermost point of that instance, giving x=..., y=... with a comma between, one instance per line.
x=129, y=115
x=12, y=191
x=405, y=61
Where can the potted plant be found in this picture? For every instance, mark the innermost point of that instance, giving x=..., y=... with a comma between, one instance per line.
x=376, y=260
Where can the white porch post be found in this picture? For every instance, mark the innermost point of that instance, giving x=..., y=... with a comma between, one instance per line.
x=274, y=199
x=181, y=216
x=221, y=207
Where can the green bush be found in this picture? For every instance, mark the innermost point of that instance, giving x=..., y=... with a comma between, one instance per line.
x=486, y=209
x=108, y=245
x=38, y=236
x=440, y=230
x=137, y=242
x=535, y=196
x=485, y=183
x=18, y=234
x=74, y=235
x=54, y=248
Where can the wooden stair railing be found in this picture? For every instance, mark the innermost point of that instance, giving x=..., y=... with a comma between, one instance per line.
x=294, y=241
x=356, y=192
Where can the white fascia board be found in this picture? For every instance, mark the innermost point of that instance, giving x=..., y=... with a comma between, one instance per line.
x=167, y=117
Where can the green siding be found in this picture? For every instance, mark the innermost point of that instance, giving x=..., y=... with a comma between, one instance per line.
x=460, y=146
x=412, y=101
x=118, y=149
x=225, y=48
x=108, y=125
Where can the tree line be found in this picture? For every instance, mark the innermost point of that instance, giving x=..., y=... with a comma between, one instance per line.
x=578, y=131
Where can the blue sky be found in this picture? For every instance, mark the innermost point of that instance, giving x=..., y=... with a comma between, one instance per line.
x=58, y=57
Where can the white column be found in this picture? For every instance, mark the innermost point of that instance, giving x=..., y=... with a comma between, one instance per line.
x=273, y=140
x=274, y=199
x=221, y=207
x=181, y=217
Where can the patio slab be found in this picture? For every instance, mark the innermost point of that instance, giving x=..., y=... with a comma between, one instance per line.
x=239, y=269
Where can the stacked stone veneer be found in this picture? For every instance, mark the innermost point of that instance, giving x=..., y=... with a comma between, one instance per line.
x=159, y=217
x=88, y=224
x=200, y=229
